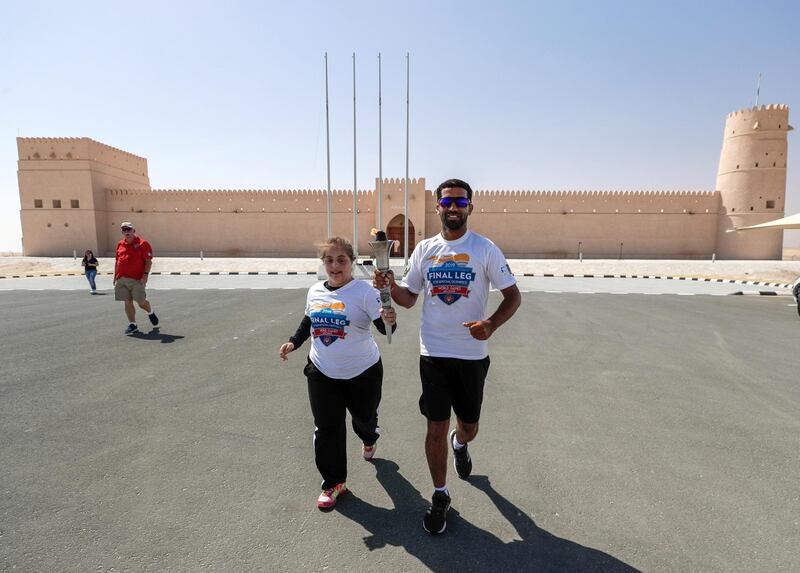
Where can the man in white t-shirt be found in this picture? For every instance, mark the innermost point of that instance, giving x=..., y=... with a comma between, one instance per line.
x=454, y=271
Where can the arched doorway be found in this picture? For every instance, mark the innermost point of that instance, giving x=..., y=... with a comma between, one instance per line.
x=394, y=232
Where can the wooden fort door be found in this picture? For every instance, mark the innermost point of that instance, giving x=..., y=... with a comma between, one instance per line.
x=394, y=232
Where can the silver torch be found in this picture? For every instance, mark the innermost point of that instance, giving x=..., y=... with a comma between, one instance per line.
x=381, y=247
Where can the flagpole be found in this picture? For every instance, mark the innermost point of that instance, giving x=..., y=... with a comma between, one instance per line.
x=405, y=183
x=379, y=224
x=758, y=88
x=328, y=142
x=355, y=173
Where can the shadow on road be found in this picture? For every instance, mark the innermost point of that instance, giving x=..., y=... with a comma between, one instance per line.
x=156, y=334
x=464, y=546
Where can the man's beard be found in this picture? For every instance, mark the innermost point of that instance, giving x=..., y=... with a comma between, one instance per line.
x=454, y=224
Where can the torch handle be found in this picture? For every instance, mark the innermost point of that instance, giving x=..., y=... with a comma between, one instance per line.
x=386, y=302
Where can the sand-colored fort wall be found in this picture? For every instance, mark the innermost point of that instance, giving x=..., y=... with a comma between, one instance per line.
x=251, y=222
x=237, y=223
x=599, y=224
x=666, y=224
x=523, y=224
x=99, y=186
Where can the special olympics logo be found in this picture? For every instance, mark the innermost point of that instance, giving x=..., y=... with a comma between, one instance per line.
x=450, y=277
x=327, y=323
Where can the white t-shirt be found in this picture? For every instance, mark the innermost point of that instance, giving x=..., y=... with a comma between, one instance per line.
x=455, y=276
x=342, y=346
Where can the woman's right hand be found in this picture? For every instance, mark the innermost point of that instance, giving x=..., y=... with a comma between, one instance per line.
x=286, y=348
x=383, y=279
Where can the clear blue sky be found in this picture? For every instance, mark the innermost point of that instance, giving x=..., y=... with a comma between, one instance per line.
x=507, y=95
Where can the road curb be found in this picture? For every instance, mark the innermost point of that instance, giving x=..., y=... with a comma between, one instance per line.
x=37, y=275
x=661, y=277
x=541, y=275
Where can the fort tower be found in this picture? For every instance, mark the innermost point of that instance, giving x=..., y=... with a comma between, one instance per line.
x=751, y=180
x=62, y=188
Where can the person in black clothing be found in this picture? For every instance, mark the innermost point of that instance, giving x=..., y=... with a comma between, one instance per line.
x=344, y=368
x=90, y=263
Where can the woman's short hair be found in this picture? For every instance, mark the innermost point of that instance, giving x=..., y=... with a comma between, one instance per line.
x=344, y=244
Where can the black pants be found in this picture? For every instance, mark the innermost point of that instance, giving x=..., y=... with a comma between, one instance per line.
x=330, y=399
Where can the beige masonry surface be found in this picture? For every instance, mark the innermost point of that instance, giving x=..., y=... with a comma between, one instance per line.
x=74, y=193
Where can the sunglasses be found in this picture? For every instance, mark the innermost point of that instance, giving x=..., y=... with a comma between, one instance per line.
x=446, y=202
x=126, y=229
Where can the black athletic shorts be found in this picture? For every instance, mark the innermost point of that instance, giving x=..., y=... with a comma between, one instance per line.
x=452, y=383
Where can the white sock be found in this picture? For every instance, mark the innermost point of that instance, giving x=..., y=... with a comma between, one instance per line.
x=442, y=489
x=456, y=444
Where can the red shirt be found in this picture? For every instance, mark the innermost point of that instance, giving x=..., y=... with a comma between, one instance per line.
x=131, y=258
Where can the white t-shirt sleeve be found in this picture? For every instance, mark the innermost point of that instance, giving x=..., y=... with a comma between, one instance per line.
x=414, y=279
x=500, y=275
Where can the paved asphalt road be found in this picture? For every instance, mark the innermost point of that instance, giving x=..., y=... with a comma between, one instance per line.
x=620, y=433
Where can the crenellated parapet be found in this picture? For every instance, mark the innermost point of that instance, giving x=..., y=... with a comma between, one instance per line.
x=757, y=120
x=582, y=194
x=235, y=200
x=777, y=107
x=282, y=194
x=596, y=201
x=400, y=180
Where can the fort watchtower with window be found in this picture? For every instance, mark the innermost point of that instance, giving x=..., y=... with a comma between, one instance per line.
x=751, y=180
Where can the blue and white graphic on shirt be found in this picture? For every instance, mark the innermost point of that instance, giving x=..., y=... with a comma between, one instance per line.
x=441, y=331
x=342, y=316
x=328, y=321
x=450, y=277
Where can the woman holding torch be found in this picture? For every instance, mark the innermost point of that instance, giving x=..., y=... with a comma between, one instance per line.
x=344, y=368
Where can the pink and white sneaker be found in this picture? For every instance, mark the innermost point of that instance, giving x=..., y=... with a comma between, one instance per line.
x=368, y=452
x=327, y=499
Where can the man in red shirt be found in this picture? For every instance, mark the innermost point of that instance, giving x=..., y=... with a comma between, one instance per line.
x=131, y=269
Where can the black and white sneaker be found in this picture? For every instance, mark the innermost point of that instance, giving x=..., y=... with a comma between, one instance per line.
x=153, y=318
x=461, y=458
x=435, y=520
x=131, y=328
